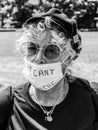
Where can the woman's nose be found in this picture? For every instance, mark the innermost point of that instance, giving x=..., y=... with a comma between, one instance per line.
x=39, y=58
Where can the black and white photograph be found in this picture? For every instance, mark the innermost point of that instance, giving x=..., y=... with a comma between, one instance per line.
x=48, y=64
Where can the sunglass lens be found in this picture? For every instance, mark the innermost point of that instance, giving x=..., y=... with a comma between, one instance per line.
x=29, y=49
x=52, y=51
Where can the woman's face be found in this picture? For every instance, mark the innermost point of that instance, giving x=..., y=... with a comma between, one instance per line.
x=45, y=46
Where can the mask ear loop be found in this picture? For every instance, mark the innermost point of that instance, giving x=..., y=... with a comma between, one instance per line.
x=68, y=63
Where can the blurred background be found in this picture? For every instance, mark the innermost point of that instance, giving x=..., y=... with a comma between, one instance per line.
x=13, y=14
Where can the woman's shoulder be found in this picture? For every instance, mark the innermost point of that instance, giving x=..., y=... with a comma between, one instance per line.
x=83, y=83
x=6, y=100
x=75, y=79
x=21, y=88
x=79, y=82
x=7, y=92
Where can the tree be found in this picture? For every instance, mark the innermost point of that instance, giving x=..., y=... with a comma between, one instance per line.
x=21, y=12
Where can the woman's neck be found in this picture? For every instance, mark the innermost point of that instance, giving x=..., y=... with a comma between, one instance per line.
x=50, y=97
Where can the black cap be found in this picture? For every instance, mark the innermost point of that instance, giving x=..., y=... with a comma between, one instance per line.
x=70, y=25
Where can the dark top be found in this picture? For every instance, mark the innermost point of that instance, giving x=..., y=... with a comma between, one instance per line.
x=77, y=112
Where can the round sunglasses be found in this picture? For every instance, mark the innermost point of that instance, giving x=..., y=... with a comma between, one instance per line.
x=51, y=51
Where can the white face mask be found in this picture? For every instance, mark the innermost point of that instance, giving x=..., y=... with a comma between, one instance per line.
x=43, y=76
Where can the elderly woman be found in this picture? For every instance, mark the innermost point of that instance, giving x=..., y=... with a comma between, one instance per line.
x=51, y=99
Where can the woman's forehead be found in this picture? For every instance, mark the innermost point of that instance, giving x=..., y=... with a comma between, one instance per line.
x=41, y=35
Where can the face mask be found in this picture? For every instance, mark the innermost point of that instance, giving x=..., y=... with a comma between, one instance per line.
x=43, y=76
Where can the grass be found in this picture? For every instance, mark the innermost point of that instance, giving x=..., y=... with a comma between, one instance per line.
x=11, y=63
